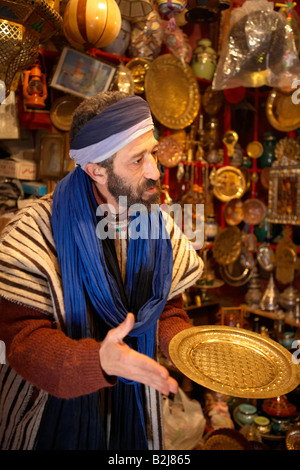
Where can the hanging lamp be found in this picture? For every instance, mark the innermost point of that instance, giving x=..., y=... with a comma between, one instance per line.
x=23, y=26
x=91, y=23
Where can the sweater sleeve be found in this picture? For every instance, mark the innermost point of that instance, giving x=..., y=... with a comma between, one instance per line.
x=173, y=320
x=46, y=357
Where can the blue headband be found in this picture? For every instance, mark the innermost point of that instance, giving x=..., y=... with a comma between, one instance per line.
x=112, y=129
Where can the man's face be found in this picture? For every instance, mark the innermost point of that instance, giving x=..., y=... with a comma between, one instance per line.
x=135, y=173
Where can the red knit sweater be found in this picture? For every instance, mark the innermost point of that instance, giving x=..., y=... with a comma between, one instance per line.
x=63, y=367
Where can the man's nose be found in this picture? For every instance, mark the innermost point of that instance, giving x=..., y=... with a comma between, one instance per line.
x=151, y=170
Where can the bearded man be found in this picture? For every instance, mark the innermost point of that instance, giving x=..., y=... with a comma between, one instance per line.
x=83, y=311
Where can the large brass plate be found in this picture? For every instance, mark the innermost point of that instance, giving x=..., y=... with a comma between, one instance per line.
x=282, y=113
x=234, y=361
x=172, y=92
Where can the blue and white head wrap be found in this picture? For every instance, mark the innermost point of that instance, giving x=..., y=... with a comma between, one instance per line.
x=112, y=129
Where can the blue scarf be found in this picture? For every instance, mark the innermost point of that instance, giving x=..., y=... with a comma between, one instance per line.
x=89, y=271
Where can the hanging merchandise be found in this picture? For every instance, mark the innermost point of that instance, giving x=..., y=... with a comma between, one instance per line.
x=146, y=37
x=283, y=111
x=138, y=68
x=135, y=10
x=177, y=43
x=169, y=152
x=124, y=80
x=268, y=155
x=260, y=49
x=172, y=92
x=120, y=44
x=23, y=25
x=204, y=60
x=172, y=8
x=35, y=87
x=96, y=23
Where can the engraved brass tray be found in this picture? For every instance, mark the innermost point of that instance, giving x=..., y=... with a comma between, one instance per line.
x=282, y=113
x=234, y=361
x=172, y=92
x=229, y=183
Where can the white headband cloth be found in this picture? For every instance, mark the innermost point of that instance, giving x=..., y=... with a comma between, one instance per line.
x=116, y=126
x=100, y=151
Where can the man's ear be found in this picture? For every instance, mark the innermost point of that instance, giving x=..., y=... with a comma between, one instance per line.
x=96, y=172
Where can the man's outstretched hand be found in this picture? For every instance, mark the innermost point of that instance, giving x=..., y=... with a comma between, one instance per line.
x=118, y=359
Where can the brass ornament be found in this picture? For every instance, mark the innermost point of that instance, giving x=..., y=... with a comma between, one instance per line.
x=287, y=147
x=139, y=68
x=287, y=260
x=172, y=92
x=282, y=113
x=230, y=139
x=234, y=361
x=254, y=149
x=228, y=183
x=227, y=245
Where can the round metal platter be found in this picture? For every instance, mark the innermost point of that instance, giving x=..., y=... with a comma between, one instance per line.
x=62, y=110
x=282, y=113
x=172, y=92
x=227, y=245
x=229, y=183
x=234, y=361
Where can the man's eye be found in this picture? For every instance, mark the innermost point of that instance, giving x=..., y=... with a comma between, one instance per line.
x=138, y=160
x=155, y=154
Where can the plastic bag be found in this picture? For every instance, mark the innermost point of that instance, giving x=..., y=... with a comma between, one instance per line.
x=260, y=49
x=184, y=422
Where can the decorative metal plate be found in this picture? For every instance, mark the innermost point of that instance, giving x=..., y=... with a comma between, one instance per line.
x=234, y=361
x=254, y=149
x=287, y=147
x=282, y=113
x=62, y=110
x=254, y=211
x=229, y=183
x=172, y=92
x=227, y=245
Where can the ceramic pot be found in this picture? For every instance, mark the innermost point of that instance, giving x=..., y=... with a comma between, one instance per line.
x=246, y=413
x=204, y=60
x=262, y=424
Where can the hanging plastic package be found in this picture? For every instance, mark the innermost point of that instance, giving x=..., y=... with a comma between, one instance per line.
x=260, y=49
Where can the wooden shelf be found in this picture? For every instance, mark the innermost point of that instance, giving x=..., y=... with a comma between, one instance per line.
x=270, y=315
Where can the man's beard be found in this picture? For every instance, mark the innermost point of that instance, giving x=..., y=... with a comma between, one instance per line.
x=118, y=187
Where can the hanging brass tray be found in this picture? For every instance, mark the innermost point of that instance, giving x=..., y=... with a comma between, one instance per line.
x=172, y=92
x=229, y=183
x=227, y=245
x=282, y=113
x=62, y=110
x=234, y=361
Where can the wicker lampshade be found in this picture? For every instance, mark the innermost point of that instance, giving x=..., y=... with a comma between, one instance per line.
x=23, y=25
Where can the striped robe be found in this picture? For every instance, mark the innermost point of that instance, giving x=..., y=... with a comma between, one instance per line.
x=30, y=276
